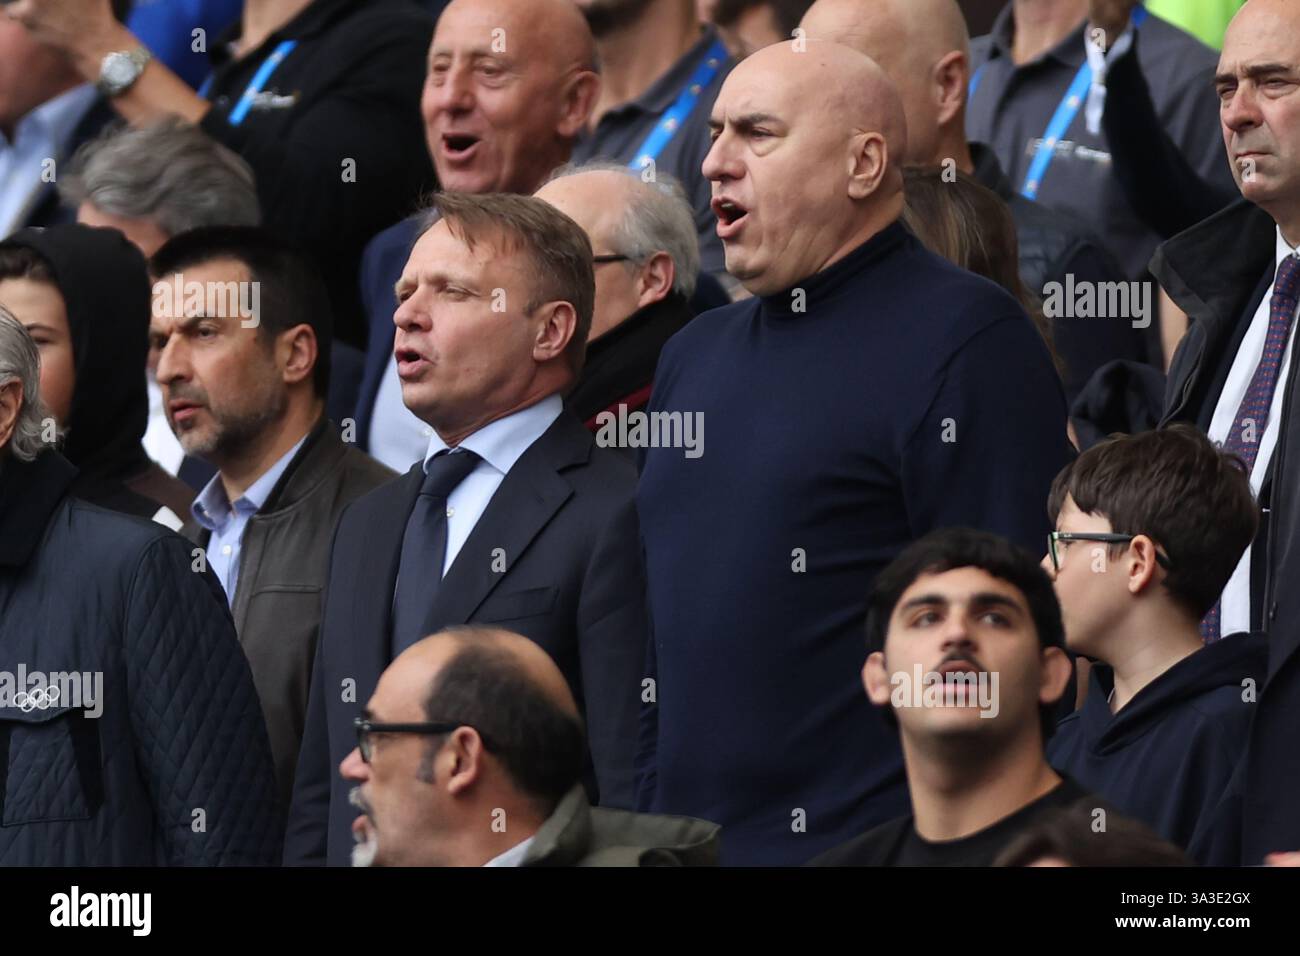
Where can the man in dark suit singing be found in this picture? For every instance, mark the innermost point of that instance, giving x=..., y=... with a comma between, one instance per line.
x=513, y=518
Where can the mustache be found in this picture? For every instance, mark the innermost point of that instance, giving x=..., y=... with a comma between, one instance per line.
x=186, y=393
x=357, y=800
x=964, y=658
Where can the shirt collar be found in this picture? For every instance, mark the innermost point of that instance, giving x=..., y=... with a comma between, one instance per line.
x=213, y=502
x=56, y=119
x=513, y=856
x=668, y=87
x=502, y=442
x=1284, y=248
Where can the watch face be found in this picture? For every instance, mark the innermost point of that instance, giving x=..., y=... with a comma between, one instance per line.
x=118, y=70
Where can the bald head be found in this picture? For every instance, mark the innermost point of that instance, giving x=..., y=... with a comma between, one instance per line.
x=805, y=160
x=423, y=661
x=505, y=737
x=924, y=48
x=511, y=85
x=832, y=79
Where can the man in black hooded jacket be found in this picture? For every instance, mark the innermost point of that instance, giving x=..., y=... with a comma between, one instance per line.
x=83, y=294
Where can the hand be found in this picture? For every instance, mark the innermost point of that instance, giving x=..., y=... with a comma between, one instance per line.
x=1282, y=859
x=85, y=30
x=1111, y=17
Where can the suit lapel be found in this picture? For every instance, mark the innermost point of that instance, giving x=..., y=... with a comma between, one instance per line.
x=375, y=577
x=529, y=496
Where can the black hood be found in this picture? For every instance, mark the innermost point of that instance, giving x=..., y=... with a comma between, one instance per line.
x=105, y=287
x=1225, y=663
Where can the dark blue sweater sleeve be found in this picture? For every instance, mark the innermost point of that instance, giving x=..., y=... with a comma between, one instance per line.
x=994, y=437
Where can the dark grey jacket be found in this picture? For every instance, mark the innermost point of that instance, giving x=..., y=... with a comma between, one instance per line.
x=169, y=763
x=283, y=564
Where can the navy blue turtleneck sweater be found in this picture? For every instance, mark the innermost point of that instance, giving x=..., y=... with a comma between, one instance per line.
x=907, y=395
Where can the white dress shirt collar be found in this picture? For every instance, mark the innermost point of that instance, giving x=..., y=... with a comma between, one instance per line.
x=502, y=442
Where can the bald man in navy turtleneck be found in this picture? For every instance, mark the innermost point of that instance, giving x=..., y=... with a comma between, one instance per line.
x=868, y=393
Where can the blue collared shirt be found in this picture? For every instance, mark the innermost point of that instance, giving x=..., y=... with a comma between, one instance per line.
x=213, y=510
x=499, y=444
x=42, y=134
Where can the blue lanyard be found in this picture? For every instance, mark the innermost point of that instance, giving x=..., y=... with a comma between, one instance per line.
x=676, y=114
x=1060, y=122
x=269, y=66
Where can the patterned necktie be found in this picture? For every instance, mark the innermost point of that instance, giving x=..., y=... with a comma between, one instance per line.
x=424, y=546
x=1248, y=426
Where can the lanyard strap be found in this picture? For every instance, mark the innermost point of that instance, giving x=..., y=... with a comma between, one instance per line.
x=1060, y=122
x=255, y=86
x=672, y=120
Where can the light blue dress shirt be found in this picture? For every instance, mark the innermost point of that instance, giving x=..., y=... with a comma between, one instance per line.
x=213, y=510
x=44, y=133
x=499, y=444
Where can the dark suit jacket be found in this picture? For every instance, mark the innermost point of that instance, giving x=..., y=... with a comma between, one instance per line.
x=1219, y=272
x=565, y=521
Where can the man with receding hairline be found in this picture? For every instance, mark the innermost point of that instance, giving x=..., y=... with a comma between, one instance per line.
x=868, y=393
x=923, y=47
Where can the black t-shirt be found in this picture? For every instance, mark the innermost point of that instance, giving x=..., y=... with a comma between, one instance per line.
x=898, y=844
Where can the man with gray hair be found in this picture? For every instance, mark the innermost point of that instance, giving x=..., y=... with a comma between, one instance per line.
x=158, y=181
x=129, y=722
x=647, y=257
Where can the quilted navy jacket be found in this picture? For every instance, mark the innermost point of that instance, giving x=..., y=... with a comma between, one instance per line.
x=170, y=763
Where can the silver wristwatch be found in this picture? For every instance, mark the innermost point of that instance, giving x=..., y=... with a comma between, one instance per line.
x=121, y=69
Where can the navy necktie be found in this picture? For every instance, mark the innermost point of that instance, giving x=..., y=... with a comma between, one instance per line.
x=424, y=546
x=1252, y=414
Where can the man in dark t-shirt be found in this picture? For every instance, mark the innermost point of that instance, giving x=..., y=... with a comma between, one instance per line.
x=967, y=657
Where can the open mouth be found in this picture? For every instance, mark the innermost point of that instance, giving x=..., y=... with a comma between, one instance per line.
x=458, y=145
x=409, y=362
x=959, y=666
x=731, y=216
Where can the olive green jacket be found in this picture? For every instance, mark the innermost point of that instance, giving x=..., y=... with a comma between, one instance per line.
x=577, y=834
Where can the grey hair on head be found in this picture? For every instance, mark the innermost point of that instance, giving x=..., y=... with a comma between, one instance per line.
x=658, y=218
x=170, y=172
x=20, y=361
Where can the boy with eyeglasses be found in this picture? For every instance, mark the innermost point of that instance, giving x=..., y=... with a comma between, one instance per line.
x=1149, y=528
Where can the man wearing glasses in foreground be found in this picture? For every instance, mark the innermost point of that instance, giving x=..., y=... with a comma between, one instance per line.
x=1149, y=529
x=470, y=753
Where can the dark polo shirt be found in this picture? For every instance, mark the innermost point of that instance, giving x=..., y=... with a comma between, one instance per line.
x=622, y=130
x=349, y=91
x=1012, y=105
